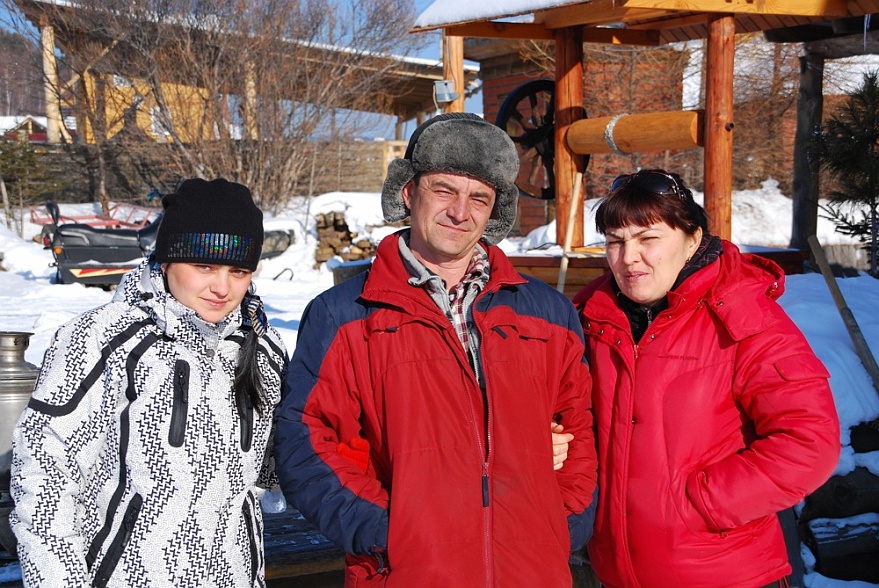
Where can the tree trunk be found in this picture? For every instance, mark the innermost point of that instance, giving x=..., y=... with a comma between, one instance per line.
x=6, y=206
x=874, y=241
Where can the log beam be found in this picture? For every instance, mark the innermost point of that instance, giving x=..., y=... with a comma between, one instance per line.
x=528, y=31
x=501, y=30
x=655, y=131
x=568, y=109
x=778, y=7
x=719, y=124
x=865, y=43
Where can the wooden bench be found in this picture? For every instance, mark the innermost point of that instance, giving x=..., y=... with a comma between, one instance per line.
x=295, y=549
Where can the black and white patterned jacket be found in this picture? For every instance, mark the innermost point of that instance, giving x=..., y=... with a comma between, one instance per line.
x=129, y=467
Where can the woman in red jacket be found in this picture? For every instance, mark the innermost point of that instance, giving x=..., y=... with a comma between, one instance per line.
x=712, y=412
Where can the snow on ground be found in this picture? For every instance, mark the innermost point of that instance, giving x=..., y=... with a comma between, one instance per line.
x=30, y=300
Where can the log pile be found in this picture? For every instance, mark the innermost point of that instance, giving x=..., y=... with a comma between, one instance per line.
x=840, y=521
x=334, y=238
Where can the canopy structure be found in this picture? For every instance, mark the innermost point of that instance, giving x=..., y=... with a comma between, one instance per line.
x=651, y=23
x=409, y=82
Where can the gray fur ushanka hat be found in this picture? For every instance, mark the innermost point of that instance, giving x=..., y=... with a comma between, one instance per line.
x=460, y=143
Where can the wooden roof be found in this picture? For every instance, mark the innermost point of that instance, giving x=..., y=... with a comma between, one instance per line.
x=648, y=22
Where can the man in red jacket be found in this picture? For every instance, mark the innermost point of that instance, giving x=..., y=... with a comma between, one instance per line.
x=413, y=428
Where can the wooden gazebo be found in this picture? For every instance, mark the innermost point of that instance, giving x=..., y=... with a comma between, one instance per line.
x=570, y=23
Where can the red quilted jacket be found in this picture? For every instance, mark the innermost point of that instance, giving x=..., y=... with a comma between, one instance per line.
x=461, y=490
x=719, y=418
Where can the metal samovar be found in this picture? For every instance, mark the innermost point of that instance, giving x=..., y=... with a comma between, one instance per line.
x=17, y=381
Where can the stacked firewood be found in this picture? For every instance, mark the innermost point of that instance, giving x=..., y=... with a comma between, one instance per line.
x=840, y=520
x=336, y=239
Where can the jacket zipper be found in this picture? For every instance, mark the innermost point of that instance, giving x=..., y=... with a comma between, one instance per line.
x=484, y=451
x=636, y=352
x=177, y=430
x=246, y=415
x=486, y=459
x=249, y=523
x=120, y=541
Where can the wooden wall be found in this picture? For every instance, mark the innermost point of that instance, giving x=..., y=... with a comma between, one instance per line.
x=358, y=166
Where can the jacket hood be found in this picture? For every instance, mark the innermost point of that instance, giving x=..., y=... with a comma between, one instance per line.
x=749, y=271
x=144, y=288
x=734, y=281
x=742, y=293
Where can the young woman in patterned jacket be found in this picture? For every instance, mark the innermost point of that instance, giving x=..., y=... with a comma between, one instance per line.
x=139, y=457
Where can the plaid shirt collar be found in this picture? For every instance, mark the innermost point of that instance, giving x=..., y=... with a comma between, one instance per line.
x=457, y=303
x=477, y=272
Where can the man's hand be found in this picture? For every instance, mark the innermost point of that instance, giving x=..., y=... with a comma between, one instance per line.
x=560, y=442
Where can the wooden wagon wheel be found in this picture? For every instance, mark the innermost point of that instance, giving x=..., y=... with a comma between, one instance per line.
x=527, y=117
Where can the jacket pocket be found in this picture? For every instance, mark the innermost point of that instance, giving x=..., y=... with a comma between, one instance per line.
x=251, y=528
x=802, y=366
x=119, y=542
x=177, y=430
x=525, y=331
x=683, y=505
x=245, y=411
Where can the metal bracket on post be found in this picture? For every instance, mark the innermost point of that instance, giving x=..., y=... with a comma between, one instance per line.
x=444, y=91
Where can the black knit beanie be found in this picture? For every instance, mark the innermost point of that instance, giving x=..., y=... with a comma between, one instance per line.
x=213, y=222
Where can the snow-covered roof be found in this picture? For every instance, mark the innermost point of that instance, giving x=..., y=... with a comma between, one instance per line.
x=8, y=123
x=650, y=22
x=446, y=12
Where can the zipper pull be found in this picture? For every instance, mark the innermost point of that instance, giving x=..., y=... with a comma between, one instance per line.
x=484, y=486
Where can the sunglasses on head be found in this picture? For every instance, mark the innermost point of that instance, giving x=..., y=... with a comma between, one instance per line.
x=651, y=180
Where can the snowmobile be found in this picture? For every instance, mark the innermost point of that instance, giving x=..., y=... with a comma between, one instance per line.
x=101, y=256
x=96, y=256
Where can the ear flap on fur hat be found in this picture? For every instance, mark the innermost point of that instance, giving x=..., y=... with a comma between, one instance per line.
x=460, y=143
x=400, y=171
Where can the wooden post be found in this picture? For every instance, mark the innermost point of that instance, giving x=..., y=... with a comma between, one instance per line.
x=569, y=233
x=719, y=123
x=810, y=104
x=453, y=69
x=50, y=75
x=568, y=109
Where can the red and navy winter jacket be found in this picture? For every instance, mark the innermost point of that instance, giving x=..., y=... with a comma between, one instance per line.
x=460, y=488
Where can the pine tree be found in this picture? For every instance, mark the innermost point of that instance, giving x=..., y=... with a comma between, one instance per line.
x=847, y=148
